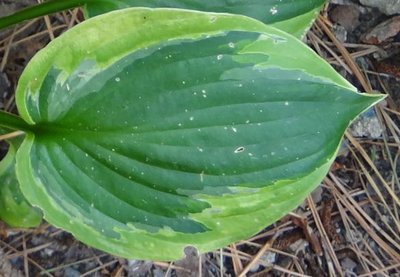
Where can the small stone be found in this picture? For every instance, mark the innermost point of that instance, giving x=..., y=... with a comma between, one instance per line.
x=346, y=16
x=255, y=267
x=316, y=195
x=158, y=273
x=268, y=258
x=367, y=126
x=48, y=252
x=340, y=33
x=388, y=7
x=348, y=264
x=134, y=264
x=70, y=272
x=344, y=149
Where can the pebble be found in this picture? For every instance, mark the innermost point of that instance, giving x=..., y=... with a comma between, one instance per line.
x=70, y=272
x=348, y=264
x=268, y=258
x=388, y=7
x=367, y=125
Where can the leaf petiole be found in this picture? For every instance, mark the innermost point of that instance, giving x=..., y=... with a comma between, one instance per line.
x=14, y=122
x=42, y=9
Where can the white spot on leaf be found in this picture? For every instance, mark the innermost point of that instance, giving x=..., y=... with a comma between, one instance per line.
x=273, y=10
x=202, y=176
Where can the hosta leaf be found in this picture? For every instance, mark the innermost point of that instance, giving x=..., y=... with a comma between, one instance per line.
x=14, y=209
x=299, y=25
x=186, y=128
x=292, y=16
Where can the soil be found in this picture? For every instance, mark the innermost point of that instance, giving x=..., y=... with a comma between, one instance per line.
x=347, y=227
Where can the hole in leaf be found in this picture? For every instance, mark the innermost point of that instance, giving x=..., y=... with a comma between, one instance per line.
x=239, y=149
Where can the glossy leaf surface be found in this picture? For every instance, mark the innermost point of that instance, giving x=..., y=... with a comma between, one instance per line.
x=14, y=209
x=187, y=128
x=292, y=16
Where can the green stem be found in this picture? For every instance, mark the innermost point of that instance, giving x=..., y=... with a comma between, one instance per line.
x=45, y=8
x=14, y=122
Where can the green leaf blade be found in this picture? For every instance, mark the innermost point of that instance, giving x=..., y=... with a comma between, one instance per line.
x=292, y=16
x=159, y=142
x=14, y=209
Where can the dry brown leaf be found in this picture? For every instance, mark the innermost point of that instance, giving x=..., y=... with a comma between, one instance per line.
x=284, y=241
x=326, y=218
x=383, y=32
x=311, y=238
